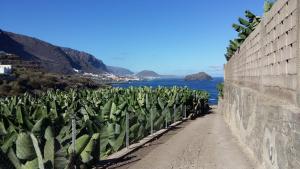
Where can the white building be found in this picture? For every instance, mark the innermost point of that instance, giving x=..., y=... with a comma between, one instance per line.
x=5, y=69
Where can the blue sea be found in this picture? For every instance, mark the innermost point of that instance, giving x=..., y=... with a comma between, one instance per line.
x=207, y=85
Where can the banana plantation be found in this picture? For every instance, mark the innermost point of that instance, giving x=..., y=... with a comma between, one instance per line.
x=61, y=129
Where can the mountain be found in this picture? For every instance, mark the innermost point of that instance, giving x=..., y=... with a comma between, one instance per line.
x=85, y=61
x=119, y=71
x=148, y=74
x=27, y=77
x=51, y=58
x=198, y=76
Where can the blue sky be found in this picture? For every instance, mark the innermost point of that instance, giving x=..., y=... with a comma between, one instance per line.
x=167, y=36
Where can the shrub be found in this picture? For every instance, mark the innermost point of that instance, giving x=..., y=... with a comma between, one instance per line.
x=220, y=88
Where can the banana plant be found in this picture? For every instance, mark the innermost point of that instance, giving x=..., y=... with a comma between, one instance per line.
x=268, y=5
x=245, y=27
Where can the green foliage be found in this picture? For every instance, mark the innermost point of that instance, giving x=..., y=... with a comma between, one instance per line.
x=35, y=132
x=268, y=5
x=244, y=28
x=220, y=88
x=35, y=82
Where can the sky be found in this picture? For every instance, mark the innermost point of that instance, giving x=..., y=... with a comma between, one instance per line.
x=175, y=37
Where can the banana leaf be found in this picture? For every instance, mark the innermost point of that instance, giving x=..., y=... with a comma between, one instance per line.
x=2, y=129
x=33, y=164
x=117, y=143
x=9, y=141
x=24, y=147
x=13, y=158
x=80, y=144
x=86, y=154
x=37, y=151
x=49, y=149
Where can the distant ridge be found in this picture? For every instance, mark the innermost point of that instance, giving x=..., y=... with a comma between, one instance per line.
x=148, y=74
x=119, y=71
x=52, y=58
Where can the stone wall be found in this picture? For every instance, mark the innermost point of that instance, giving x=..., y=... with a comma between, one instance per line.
x=267, y=60
x=262, y=88
x=267, y=128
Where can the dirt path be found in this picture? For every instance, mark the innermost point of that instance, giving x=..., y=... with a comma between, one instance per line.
x=205, y=143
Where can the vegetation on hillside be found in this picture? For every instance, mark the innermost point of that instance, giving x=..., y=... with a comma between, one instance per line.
x=35, y=82
x=36, y=132
x=29, y=77
x=244, y=28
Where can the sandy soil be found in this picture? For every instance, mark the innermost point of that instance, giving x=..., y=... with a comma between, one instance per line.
x=205, y=143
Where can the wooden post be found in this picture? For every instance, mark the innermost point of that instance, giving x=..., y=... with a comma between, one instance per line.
x=127, y=130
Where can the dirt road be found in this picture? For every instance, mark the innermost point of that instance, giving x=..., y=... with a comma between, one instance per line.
x=205, y=143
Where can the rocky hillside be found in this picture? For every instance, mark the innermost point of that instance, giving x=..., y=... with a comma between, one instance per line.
x=51, y=58
x=198, y=76
x=27, y=77
x=85, y=62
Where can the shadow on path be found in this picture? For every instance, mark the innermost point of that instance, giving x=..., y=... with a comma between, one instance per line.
x=138, y=154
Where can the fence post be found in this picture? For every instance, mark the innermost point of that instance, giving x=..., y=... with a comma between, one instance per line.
x=174, y=112
x=181, y=111
x=151, y=118
x=127, y=130
x=73, y=132
x=72, y=163
x=185, y=111
x=166, y=121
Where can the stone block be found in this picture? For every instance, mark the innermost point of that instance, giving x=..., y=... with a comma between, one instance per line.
x=292, y=5
x=293, y=50
x=292, y=69
x=293, y=20
x=292, y=36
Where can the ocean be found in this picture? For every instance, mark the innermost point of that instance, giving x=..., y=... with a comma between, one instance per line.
x=208, y=85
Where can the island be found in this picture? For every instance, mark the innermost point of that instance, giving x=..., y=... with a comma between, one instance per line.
x=198, y=76
x=148, y=74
